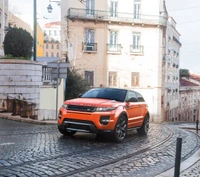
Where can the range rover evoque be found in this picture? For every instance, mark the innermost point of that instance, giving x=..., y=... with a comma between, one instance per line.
x=105, y=110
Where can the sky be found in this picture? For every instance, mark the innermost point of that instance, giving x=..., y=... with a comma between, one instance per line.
x=185, y=12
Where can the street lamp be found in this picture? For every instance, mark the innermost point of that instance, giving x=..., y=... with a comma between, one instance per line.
x=50, y=8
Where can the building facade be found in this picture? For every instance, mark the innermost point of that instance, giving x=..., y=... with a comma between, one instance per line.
x=40, y=41
x=4, y=15
x=170, y=98
x=189, y=98
x=117, y=44
x=19, y=23
x=52, y=46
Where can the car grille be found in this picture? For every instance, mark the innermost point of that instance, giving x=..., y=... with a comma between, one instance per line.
x=81, y=108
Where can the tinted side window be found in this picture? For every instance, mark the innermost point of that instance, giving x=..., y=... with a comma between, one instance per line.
x=130, y=95
x=140, y=98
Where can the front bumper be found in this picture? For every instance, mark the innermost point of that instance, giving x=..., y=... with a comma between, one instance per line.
x=86, y=122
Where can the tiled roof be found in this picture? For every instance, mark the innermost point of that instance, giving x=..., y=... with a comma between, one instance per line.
x=48, y=25
x=195, y=77
x=184, y=82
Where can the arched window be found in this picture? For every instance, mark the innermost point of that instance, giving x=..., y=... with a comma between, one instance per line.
x=47, y=54
x=57, y=55
x=47, y=46
x=52, y=54
x=52, y=46
x=57, y=46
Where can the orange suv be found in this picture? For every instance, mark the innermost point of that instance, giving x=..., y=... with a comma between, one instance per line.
x=105, y=110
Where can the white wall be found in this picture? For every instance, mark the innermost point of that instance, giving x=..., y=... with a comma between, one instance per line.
x=48, y=101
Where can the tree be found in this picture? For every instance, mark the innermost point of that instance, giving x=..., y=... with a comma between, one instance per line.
x=75, y=84
x=18, y=43
x=184, y=73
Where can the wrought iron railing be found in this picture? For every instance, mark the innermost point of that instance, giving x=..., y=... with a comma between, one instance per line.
x=89, y=47
x=76, y=13
x=114, y=48
x=137, y=49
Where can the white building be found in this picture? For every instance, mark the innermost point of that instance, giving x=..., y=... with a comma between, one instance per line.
x=52, y=38
x=118, y=44
x=170, y=98
x=4, y=13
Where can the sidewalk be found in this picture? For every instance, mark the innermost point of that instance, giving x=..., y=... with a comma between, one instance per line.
x=9, y=116
x=189, y=168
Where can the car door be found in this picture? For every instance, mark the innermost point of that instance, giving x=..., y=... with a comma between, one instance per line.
x=142, y=107
x=133, y=110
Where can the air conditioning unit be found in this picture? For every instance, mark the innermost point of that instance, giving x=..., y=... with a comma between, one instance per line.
x=89, y=48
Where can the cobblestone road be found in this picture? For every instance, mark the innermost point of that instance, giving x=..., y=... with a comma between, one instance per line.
x=39, y=151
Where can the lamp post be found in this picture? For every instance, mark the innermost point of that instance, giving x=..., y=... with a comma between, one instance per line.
x=35, y=30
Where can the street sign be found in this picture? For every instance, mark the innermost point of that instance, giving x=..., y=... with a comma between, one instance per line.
x=56, y=64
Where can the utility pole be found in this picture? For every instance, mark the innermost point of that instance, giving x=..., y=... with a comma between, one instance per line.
x=35, y=30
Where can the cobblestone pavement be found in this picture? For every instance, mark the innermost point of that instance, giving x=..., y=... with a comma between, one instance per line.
x=39, y=151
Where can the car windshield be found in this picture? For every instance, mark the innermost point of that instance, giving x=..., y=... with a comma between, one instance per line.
x=106, y=93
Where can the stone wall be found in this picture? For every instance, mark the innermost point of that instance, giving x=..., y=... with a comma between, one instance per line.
x=21, y=79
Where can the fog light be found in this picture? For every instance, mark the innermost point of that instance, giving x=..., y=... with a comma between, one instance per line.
x=104, y=120
x=60, y=115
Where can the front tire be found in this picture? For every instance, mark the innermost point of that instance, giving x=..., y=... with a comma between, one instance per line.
x=120, y=130
x=66, y=132
x=145, y=126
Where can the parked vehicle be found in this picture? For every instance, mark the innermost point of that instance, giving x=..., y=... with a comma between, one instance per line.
x=105, y=110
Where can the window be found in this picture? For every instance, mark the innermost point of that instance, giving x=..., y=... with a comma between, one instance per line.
x=57, y=47
x=112, y=78
x=47, y=54
x=136, y=42
x=52, y=46
x=55, y=33
x=137, y=5
x=89, y=7
x=130, y=96
x=57, y=55
x=113, y=9
x=135, y=78
x=89, y=77
x=47, y=46
x=113, y=45
x=89, y=36
x=6, y=19
x=52, y=55
x=49, y=33
x=140, y=97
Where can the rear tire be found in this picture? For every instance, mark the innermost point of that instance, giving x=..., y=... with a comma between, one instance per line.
x=66, y=132
x=120, y=130
x=143, y=130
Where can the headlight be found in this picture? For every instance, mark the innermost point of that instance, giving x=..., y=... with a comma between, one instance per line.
x=64, y=106
x=105, y=109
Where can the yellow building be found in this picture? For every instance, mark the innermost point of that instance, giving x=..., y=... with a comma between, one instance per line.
x=40, y=41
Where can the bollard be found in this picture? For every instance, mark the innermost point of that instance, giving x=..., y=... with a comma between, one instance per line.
x=197, y=125
x=178, y=157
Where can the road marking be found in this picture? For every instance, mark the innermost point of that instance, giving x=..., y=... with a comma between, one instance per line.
x=3, y=144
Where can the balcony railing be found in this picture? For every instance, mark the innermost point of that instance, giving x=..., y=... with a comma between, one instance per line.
x=99, y=15
x=136, y=49
x=89, y=47
x=114, y=48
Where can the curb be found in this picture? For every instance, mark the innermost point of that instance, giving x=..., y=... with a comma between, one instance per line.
x=26, y=120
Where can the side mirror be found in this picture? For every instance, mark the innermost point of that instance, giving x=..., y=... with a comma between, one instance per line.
x=132, y=99
x=79, y=95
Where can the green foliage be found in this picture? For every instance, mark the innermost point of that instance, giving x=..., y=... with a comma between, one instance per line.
x=18, y=43
x=16, y=58
x=75, y=84
x=184, y=73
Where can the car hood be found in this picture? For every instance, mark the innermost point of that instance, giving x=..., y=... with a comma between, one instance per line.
x=96, y=102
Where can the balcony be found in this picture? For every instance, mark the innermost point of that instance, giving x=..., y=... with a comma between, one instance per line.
x=114, y=48
x=136, y=50
x=99, y=15
x=89, y=47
